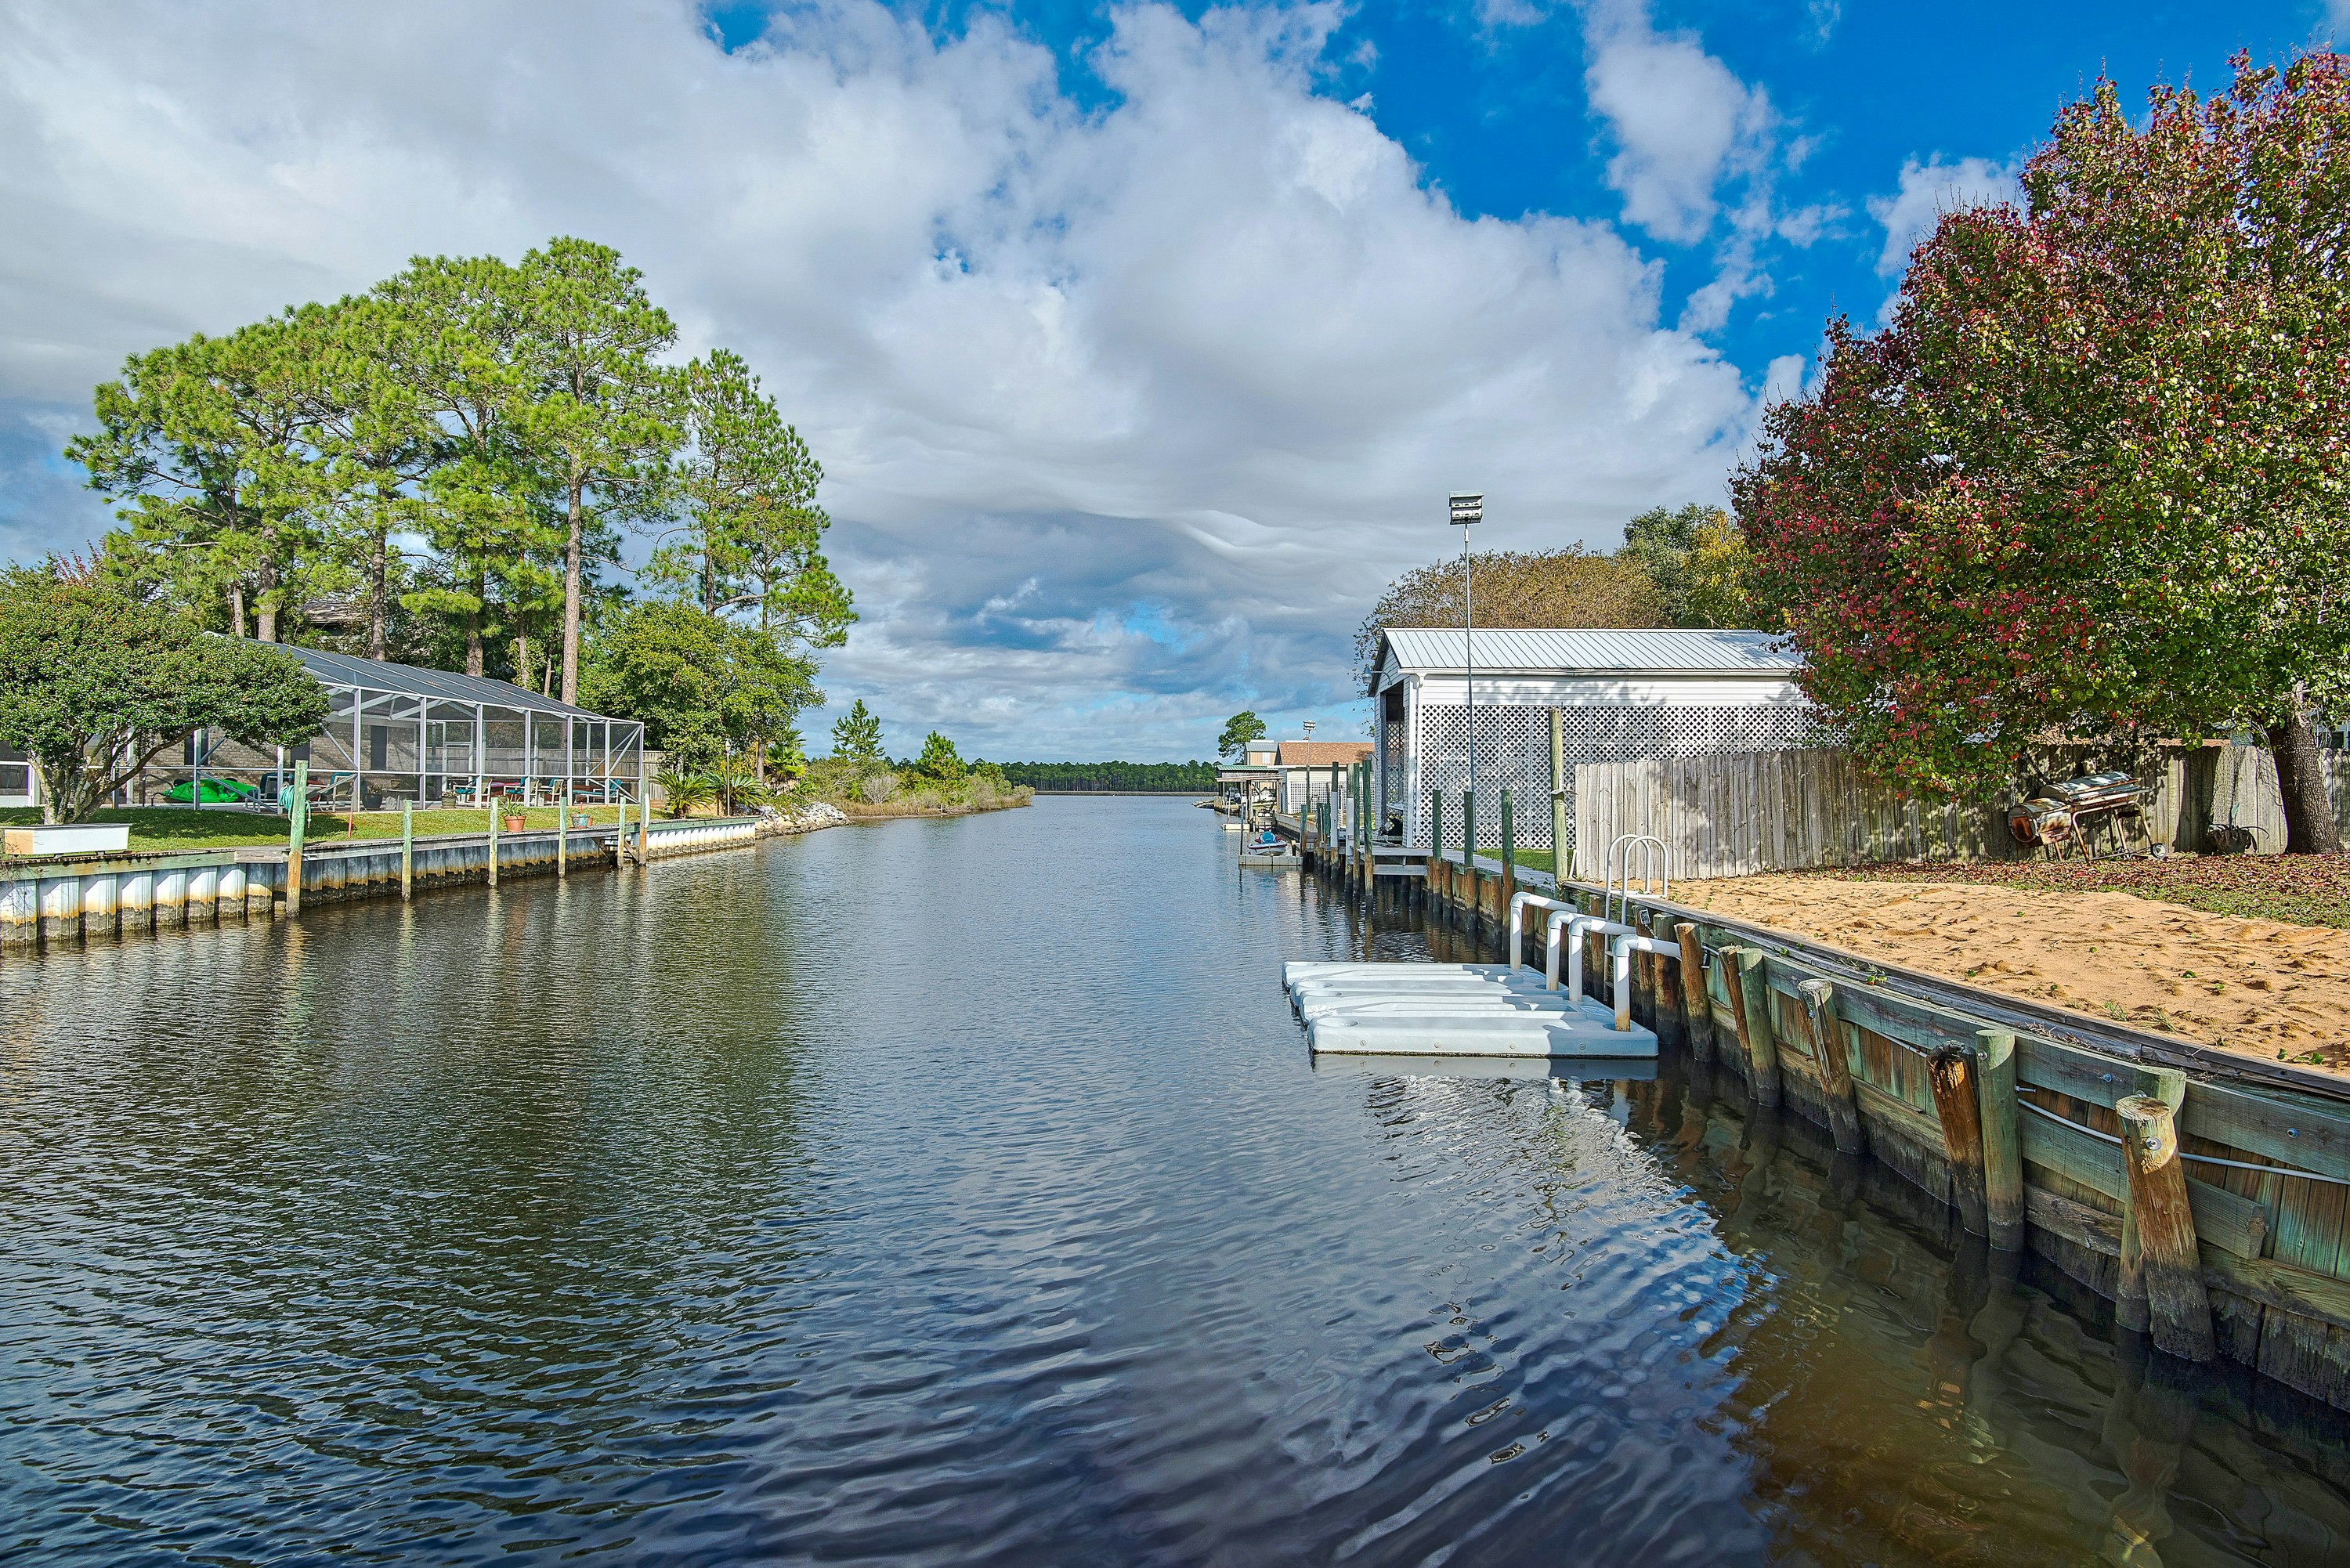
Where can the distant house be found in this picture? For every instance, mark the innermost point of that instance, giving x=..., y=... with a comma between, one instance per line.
x=1305, y=768
x=1619, y=694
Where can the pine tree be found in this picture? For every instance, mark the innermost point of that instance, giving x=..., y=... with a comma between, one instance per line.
x=857, y=735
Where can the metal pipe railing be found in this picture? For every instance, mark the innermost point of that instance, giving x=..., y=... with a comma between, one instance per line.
x=1518, y=903
x=1567, y=931
x=1621, y=950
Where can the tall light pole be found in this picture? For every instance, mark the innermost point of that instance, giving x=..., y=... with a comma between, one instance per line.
x=1467, y=511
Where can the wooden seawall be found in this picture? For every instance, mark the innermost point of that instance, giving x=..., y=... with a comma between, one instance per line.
x=2205, y=1194
x=45, y=903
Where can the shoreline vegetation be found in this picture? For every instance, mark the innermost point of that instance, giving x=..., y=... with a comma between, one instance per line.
x=872, y=789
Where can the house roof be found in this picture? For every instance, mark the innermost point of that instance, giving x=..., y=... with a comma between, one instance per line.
x=439, y=685
x=1438, y=650
x=1322, y=754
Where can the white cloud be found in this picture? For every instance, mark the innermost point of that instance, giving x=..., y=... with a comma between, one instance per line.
x=1698, y=153
x=1127, y=412
x=1682, y=122
x=1928, y=190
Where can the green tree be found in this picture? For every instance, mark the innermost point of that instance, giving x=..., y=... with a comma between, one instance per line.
x=374, y=442
x=1562, y=587
x=1698, y=561
x=203, y=444
x=750, y=529
x=603, y=420
x=95, y=685
x=705, y=688
x=459, y=342
x=938, y=763
x=2088, y=480
x=1239, y=731
x=857, y=735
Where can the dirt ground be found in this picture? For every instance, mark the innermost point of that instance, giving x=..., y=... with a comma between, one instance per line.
x=2256, y=986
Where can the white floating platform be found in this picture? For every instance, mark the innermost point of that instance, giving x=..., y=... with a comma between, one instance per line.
x=1452, y=1009
x=1568, y=1069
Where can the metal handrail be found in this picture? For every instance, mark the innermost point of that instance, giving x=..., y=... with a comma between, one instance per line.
x=1655, y=866
x=1518, y=901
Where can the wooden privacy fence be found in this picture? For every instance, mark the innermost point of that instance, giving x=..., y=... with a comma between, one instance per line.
x=1737, y=815
x=2207, y=1195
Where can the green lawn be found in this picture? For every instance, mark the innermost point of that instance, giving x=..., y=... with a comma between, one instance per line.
x=169, y=828
x=1525, y=859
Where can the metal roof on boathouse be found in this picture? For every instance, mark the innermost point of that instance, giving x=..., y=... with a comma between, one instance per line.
x=1434, y=651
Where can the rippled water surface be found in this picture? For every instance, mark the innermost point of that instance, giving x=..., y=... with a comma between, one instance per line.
x=962, y=1192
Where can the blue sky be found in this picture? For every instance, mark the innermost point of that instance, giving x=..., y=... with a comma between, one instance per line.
x=1141, y=343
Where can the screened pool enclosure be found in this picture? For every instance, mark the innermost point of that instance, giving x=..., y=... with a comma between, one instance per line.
x=395, y=732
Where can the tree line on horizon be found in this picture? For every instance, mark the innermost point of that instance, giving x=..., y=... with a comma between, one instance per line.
x=1114, y=777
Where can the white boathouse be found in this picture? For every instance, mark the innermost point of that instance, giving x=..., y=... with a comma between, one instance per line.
x=1621, y=695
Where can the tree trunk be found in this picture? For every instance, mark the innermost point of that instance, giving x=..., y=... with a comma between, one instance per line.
x=265, y=605
x=378, y=571
x=67, y=791
x=2309, y=826
x=473, y=630
x=236, y=609
x=571, y=600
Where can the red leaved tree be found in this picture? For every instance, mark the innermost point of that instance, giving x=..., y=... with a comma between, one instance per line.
x=2089, y=482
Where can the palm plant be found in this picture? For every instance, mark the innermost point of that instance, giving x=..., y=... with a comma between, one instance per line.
x=736, y=781
x=685, y=792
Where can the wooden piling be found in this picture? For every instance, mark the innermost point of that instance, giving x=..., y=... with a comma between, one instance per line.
x=294, y=837
x=494, y=838
x=1509, y=859
x=407, y=847
x=2168, y=1265
x=1644, y=978
x=1826, y=1041
x=562, y=835
x=1697, y=1004
x=2003, y=1149
x=1467, y=896
x=2167, y=1085
x=1950, y=1070
x=1558, y=866
x=1436, y=848
x=1750, y=1000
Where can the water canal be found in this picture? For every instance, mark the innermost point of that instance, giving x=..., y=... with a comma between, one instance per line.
x=961, y=1192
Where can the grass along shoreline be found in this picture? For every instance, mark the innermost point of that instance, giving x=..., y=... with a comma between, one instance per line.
x=173, y=829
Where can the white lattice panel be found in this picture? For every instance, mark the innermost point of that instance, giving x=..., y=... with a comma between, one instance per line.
x=1513, y=753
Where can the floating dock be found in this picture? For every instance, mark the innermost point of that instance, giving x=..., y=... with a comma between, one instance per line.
x=1452, y=1009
